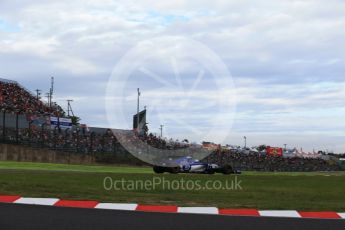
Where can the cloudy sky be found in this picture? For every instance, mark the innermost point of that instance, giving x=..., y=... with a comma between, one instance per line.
x=285, y=61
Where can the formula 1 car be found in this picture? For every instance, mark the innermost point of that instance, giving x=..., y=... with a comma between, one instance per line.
x=189, y=165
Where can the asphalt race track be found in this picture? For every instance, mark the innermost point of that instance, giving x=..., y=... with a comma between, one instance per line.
x=18, y=216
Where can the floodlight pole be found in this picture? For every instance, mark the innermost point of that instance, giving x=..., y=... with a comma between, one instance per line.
x=138, y=110
x=51, y=92
x=161, y=129
x=48, y=95
x=245, y=142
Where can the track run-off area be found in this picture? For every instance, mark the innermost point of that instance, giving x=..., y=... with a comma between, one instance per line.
x=317, y=191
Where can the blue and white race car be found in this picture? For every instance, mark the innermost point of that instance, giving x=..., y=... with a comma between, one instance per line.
x=190, y=165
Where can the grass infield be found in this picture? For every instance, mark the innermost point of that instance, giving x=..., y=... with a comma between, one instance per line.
x=295, y=191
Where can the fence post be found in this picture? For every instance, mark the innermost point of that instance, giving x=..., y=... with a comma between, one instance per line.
x=55, y=137
x=92, y=135
x=17, y=127
x=30, y=132
x=66, y=140
x=4, y=125
x=42, y=134
x=78, y=130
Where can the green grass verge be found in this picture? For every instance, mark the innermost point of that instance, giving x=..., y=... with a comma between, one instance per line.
x=72, y=168
x=296, y=191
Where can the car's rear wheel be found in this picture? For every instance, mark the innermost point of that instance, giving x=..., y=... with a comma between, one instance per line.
x=210, y=171
x=158, y=169
x=227, y=169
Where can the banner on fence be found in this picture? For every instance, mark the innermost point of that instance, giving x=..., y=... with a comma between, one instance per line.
x=63, y=123
x=274, y=151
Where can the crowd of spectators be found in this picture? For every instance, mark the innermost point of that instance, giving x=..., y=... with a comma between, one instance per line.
x=85, y=142
x=162, y=143
x=78, y=140
x=14, y=98
x=254, y=161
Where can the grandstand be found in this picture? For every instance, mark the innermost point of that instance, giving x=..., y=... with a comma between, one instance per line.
x=15, y=98
x=254, y=161
x=28, y=121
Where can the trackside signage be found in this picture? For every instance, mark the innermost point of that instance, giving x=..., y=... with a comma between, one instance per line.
x=61, y=122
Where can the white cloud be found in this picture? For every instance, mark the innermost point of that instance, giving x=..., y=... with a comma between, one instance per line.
x=287, y=56
x=77, y=66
